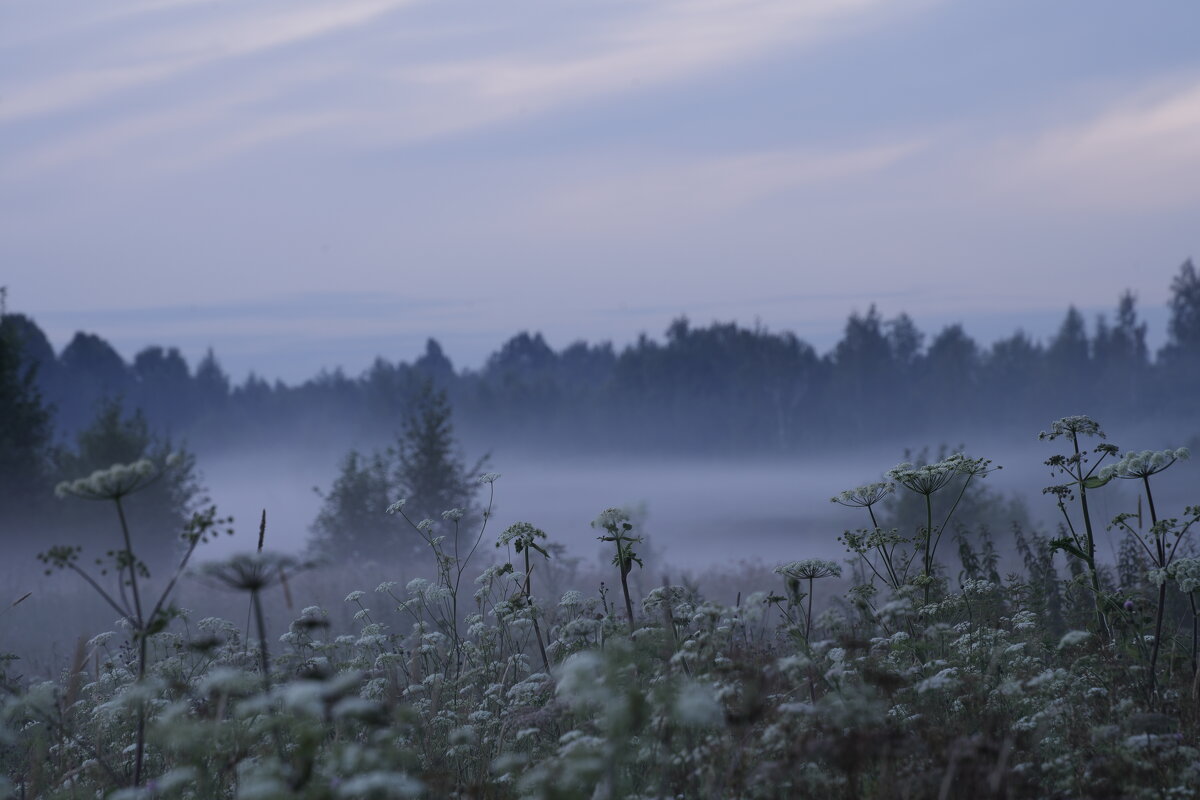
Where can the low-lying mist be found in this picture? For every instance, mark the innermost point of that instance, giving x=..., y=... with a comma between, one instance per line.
x=697, y=513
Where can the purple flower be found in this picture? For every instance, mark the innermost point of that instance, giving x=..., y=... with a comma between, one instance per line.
x=1129, y=605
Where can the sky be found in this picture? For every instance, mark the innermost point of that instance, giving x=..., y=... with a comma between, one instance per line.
x=302, y=185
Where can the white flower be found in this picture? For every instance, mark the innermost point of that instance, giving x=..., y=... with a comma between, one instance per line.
x=1072, y=638
x=1075, y=425
x=454, y=514
x=1186, y=571
x=928, y=478
x=425, y=525
x=946, y=679
x=695, y=705
x=355, y=596
x=100, y=639
x=581, y=679
x=1138, y=465
x=571, y=598
x=112, y=483
x=489, y=477
x=809, y=569
x=395, y=507
x=611, y=519
x=864, y=496
x=522, y=532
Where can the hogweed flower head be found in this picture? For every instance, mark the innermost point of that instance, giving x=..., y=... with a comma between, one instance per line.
x=612, y=520
x=1074, y=426
x=1138, y=465
x=251, y=572
x=810, y=569
x=1186, y=572
x=522, y=535
x=864, y=496
x=488, y=477
x=929, y=478
x=396, y=507
x=113, y=483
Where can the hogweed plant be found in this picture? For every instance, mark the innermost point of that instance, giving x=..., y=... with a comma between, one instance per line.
x=795, y=574
x=618, y=529
x=1186, y=574
x=524, y=538
x=1165, y=535
x=876, y=548
x=1079, y=543
x=887, y=553
x=143, y=619
x=926, y=480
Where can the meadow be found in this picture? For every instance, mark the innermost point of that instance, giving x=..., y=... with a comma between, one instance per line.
x=927, y=662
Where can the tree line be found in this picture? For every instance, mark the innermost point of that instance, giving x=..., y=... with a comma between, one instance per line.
x=720, y=388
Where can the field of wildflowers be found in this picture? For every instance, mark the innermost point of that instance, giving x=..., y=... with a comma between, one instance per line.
x=900, y=672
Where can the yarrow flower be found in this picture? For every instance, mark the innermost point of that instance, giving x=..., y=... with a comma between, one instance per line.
x=1139, y=465
x=112, y=483
x=864, y=496
x=809, y=569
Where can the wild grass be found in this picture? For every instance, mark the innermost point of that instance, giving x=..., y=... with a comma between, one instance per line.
x=897, y=673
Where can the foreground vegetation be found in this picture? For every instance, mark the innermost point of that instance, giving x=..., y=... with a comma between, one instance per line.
x=892, y=674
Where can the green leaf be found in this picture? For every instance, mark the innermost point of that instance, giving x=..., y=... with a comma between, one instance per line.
x=1095, y=482
x=1067, y=546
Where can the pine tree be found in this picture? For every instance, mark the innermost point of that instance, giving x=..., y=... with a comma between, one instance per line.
x=425, y=468
x=1182, y=349
x=430, y=471
x=24, y=429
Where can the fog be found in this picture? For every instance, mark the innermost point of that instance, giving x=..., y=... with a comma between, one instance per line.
x=698, y=514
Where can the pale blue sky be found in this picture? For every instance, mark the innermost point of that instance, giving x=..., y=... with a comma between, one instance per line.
x=304, y=184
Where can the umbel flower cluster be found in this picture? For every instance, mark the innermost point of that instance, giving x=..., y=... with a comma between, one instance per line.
x=897, y=672
x=113, y=483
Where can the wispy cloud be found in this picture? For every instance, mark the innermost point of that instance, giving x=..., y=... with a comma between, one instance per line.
x=411, y=94
x=1141, y=152
x=184, y=46
x=666, y=192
